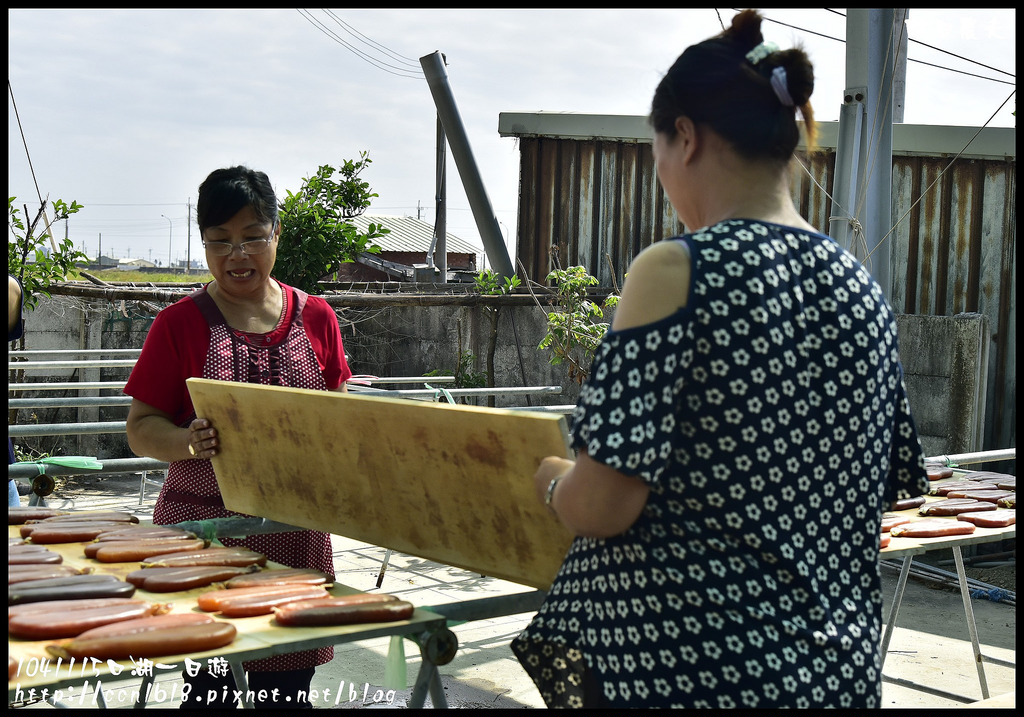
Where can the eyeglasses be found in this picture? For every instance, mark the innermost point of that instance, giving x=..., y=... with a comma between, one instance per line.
x=253, y=246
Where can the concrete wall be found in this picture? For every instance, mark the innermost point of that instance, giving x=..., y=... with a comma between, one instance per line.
x=944, y=360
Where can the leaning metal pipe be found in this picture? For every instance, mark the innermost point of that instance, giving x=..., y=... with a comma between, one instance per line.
x=451, y=121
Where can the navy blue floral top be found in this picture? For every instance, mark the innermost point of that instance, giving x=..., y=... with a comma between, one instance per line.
x=769, y=419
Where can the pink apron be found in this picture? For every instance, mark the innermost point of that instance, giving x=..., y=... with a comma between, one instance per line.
x=190, y=491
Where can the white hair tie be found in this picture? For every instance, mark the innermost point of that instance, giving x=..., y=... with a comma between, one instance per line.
x=761, y=51
x=781, y=86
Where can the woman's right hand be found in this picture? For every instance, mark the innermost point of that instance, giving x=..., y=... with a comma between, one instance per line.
x=153, y=433
x=202, y=439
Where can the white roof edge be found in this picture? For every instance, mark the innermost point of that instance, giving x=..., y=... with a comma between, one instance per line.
x=907, y=139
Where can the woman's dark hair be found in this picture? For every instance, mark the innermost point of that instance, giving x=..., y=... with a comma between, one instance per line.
x=227, y=191
x=713, y=83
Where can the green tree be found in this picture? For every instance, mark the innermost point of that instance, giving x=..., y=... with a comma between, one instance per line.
x=317, y=236
x=27, y=257
x=575, y=330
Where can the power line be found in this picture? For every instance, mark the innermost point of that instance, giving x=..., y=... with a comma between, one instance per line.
x=367, y=41
x=921, y=62
x=947, y=52
x=24, y=142
x=379, y=64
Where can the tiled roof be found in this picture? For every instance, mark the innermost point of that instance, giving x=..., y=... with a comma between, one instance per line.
x=408, y=234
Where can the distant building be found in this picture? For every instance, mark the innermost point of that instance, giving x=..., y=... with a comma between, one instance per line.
x=134, y=264
x=403, y=255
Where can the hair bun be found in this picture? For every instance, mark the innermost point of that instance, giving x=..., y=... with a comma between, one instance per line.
x=745, y=29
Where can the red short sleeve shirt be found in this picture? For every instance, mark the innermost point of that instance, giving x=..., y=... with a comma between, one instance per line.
x=176, y=346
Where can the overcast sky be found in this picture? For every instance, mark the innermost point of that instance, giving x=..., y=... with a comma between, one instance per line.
x=126, y=111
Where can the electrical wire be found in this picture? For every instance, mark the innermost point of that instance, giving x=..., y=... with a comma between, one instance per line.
x=851, y=217
x=944, y=170
x=379, y=64
x=367, y=41
x=24, y=141
x=32, y=169
x=921, y=62
x=947, y=52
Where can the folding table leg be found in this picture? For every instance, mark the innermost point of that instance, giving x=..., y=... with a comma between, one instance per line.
x=241, y=682
x=428, y=679
x=972, y=626
x=894, y=609
x=147, y=681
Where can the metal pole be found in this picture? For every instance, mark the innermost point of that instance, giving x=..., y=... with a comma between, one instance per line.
x=188, y=238
x=441, y=219
x=863, y=175
x=960, y=459
x=170, y=229
x=448, y=113
x=899, y=85
x=878, y=195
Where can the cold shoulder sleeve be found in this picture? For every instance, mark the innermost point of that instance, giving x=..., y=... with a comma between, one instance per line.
x=626, y=415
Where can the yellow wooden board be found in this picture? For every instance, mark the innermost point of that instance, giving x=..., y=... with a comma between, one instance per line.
x=450, y=483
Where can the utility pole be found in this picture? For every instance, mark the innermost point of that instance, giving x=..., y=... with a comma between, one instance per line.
x=170, y=229
x=440, y=241
x=188, y=238
x=899, y=82
x=455, y=133
x=862, y=186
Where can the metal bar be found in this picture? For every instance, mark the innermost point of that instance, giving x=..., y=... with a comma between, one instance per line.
x=95, y=363
x=959, y=459
x=66, y=386
x=924, y=688
x=70, y=402
x=514, y=391
x=383, y=567
x=66, y=429
x=972, y=627
x=424, y=680
x=114, y=465
x=935, y=574
x=72, y=352
x=403, y=379
x=563, y=408
x=455, y=131
x=894, y=609
x=490, y=607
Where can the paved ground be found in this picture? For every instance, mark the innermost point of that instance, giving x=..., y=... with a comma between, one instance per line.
x=930, y=646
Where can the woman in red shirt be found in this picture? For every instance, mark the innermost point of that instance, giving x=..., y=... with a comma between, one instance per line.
x=243, y=326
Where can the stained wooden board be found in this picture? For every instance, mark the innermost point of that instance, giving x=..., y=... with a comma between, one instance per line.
x=449, y=483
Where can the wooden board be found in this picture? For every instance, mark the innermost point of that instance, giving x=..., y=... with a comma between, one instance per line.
x=450, y=483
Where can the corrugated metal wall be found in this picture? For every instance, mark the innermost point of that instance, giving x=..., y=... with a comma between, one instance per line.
x=597, y=203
